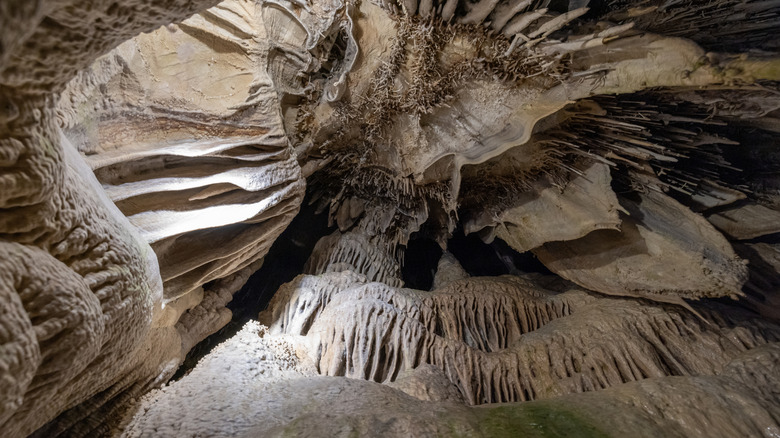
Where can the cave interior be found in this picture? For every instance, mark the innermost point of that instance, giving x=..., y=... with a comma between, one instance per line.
x=411, y=218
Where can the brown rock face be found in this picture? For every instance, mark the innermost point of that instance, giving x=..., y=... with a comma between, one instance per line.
x=86, y=310
x=152, y=153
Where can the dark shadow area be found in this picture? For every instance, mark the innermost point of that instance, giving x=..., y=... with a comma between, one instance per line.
x=762, y=285
x=772, y=239
x=477, y=258
x=284, y=261
x=421, y=259
x=481, y=259
x=519, y=262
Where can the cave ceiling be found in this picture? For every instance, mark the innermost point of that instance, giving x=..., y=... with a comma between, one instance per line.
x=616, y=159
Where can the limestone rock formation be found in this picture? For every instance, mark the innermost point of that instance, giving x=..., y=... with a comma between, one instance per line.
x=81, y=288
x=459, y=92
x=261, y=383
x=448, y=270
x=87, y=312
x=182, y=127
x=548, y=214
x=662, y=247
x=617, y=158
x=353, y=251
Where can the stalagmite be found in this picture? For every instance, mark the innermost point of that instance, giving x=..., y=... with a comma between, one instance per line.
x=588, y=192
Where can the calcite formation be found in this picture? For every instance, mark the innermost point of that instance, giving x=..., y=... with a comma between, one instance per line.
x=151, y=153
x=264, y=382
x=506, y=339
x=91, y=310
x=189, y=143
x=458, y=92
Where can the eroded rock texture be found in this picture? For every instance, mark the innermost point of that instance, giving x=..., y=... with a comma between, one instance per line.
x=630, y=147
x=261, y=381
x=88, y=323
x=507, y=339
x=461, y=115
x=182, y=127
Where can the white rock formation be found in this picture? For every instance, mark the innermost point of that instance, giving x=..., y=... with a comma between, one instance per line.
x=80, y=288
x=505, y=339
x=261, y=382
x=147, y=165
x=182, y=127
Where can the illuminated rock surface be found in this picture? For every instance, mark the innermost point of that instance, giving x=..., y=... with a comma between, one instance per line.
x=618, y=159
x=263, y=382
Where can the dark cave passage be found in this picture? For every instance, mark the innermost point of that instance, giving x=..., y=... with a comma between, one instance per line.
x=482, y=259
x=284, y=261
x=421, y=258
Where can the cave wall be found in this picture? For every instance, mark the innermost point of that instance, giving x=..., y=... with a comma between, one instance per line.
x=145, y=177
x=88, y=320
x=465, y=118
x=182, y=128
x=610, y=168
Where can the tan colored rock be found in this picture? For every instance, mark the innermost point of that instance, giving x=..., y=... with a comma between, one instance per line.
x=352, y=251
x=717, y=406
x=662, y=250
x=506, y=339
x=260, y=383
x=211, y=314
x=197, y=132
x=747, y=222
x=85, y=290
x=83, y=277
x=427, y=383
x=429, y=99
x=183, y=129
x=481, y=118
x=448, y=270
x=297, y=304
x=552, y=214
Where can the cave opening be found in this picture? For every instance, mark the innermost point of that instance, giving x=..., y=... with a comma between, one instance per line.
x=478, y=258
x=492, y=259
x=420, y=259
